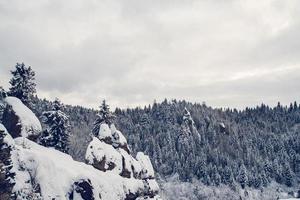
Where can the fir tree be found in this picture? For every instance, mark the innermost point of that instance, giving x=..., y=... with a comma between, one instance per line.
x=57, y=133
x=242, y=177
x=288, y=177
x=217, y=180
x=104, y=116
x=3, y=94
x=6, y=176
x=228, y=176
x=22, y=83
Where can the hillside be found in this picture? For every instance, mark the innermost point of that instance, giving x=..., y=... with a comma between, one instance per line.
x=261, y=142
x=32, y=171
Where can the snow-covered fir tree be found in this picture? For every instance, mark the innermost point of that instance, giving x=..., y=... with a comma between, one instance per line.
x=104, y=116
x=243, y=177
x=22, y=83
x=288, y=176
x=3, y=94
x=57, y=133
x=6, y=175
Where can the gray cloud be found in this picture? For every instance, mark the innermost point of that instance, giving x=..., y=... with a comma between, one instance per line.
x=227, y=53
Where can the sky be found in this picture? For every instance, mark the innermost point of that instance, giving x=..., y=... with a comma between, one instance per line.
x=227, y=53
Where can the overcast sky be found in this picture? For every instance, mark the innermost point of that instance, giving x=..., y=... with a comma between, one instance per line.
x=228, y=53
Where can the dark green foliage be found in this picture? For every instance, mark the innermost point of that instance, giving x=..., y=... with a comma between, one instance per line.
x=22, y=83
x=3, y=94
x=263, y=138
x=104, y=116
x=242, y=177
x=288, y=175
x=57, y=133
x=6, y=185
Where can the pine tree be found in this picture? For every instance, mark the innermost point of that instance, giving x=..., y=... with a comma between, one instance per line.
x=242, y=177
x=3, y=94
x=22, y=83
x=6, y=176
x=288, y=177
x=104, y=116
x=57, y=133
x=217, y=179
x=264, y=179
x=228, y=176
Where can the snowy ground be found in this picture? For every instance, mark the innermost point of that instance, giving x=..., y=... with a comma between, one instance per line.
x=32, y=166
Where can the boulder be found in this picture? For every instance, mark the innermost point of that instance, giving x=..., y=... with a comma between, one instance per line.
x=109, y=152
x=82, y=188
x=19, y=120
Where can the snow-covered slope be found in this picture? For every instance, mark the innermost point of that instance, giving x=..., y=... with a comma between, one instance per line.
x=40, y=173
x=55, y=174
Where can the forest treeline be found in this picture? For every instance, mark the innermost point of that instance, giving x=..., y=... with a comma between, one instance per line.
x=250, y=147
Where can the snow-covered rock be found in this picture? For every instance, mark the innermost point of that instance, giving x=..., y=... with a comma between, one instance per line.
x=19, y=120
x=107, y=158
x=130, y=166
x=45, y=173
x=8, y=140
x=110, y=135
x=147, y=168
x=109, y=152
x=105, y=133
x=103, y=156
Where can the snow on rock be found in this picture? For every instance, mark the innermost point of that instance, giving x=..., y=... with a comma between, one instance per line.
x=110, y=135
x=104, y=132
x=103, y=156
x=50, y=174
x=8, y=140
x=19, y=120
x=147, y=168
x=109, y=152
x=130, y=166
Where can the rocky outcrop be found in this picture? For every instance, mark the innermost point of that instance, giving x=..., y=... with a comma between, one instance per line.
x=32, y=171
x=83, y=188
x=109, y=152
x=19, y=120
x=45, y=173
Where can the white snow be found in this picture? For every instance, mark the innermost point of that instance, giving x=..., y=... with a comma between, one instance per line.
x=98, y=150
x=153, y=185
x=122, y=139
x=8, y=140
x=56, y=172
x=130, y=162
x=104, y=131
x=146, y=165
x=29, y=122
